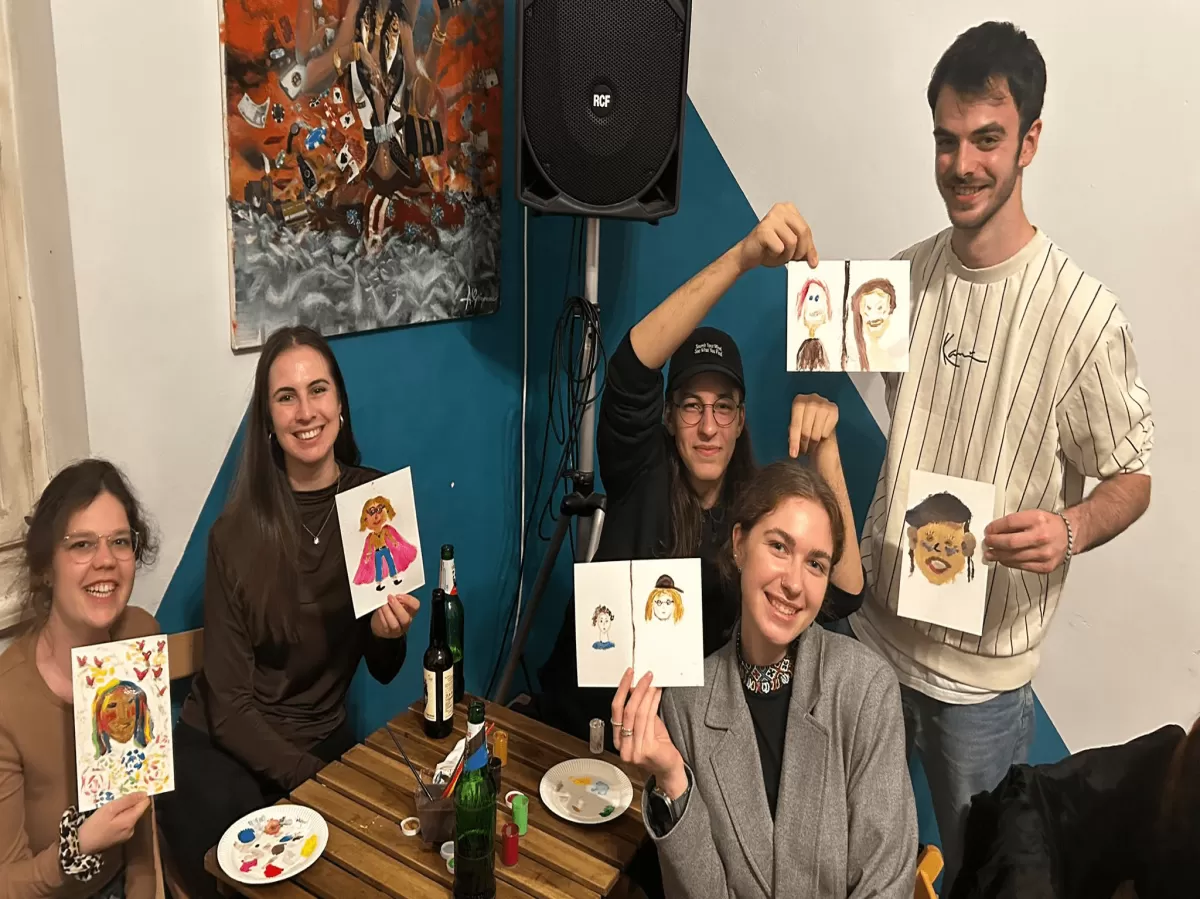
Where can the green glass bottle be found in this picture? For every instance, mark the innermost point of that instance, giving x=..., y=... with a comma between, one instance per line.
x=475, y=816
x=448, y=581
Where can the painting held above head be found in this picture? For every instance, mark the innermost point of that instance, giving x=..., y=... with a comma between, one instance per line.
x=940, y=542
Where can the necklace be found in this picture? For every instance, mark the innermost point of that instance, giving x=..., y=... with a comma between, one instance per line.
x=332, y=505
x=317, y=536
x=763, y=679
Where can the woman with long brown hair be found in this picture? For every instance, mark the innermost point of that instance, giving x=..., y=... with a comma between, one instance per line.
x=281, y=643
x=673, y=460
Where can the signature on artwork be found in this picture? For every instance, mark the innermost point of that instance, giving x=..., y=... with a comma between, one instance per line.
x=475, y=301
x=953, y=357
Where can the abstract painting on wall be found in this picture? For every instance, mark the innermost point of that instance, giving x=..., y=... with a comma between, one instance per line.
x=363, y=142
x=645, y=614
x=943, y=581
x=848, y=316
x=122, y=700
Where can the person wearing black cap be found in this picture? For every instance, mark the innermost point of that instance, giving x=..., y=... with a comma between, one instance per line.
x=670, y=462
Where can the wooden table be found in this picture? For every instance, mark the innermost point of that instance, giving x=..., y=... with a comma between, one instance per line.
x=367, y=793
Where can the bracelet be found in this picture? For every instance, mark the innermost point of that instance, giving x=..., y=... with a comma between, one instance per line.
x=74, y=862
x=1070, y=539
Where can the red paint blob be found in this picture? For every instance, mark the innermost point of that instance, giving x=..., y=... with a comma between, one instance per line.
x=272, y=871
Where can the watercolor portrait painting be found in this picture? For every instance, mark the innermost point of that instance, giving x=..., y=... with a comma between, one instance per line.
x=848, y=316
x=942, y=550
x=122, y=703
x=645, y=614
x=380, y=539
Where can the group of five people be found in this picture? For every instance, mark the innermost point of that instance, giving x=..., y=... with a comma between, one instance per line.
x=1041, y=391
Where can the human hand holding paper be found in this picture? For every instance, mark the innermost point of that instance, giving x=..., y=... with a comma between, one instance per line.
x=1033, y=540
x=782, y=236
x=641, y=737
x=393, y=620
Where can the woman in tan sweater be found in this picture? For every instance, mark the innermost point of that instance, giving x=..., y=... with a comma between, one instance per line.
x=86, y=538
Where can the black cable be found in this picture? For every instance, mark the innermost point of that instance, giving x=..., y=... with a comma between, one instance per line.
x=569, y=380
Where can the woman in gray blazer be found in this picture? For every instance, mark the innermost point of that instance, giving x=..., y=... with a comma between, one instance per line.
x=785, y=774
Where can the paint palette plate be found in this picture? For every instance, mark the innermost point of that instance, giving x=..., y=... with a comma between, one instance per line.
x=586, y=791
x=273, y=843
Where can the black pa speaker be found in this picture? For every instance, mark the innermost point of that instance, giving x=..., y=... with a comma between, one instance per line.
x=601, y=88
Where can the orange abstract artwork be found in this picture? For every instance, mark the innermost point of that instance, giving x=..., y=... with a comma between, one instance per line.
x=363, y=142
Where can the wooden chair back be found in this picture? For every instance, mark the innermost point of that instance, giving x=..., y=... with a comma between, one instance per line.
x=929, y=866
x=185, y=651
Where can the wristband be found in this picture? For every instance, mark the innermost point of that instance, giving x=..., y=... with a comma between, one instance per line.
x=1070, y=539
x=74, y=862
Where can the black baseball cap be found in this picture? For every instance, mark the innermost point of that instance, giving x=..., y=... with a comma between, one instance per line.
x=705, y=350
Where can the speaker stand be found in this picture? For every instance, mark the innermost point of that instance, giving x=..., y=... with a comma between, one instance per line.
x=582, y=504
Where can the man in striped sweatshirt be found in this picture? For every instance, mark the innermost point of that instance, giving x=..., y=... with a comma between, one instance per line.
x=1022, y=373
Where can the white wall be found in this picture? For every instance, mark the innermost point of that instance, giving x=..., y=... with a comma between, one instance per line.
x=140, y=95
x=824, y=105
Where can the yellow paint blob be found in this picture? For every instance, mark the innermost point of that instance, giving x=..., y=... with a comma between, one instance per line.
x=310, y=846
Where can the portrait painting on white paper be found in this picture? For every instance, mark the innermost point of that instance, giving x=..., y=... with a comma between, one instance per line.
x=644, y=614
x=943, y=581
x=848, y=316
x=380, y=539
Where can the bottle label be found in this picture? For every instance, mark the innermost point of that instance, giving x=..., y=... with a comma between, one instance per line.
x=476, y=746
x=448, y=578
x=432, y=697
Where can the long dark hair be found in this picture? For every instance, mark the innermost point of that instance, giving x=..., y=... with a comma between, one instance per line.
x=771, y=485
x=686, y=513
x=72, y=489
x=261, y=505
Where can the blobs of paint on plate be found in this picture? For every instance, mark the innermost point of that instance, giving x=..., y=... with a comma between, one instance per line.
x=608, y=810
x=246, y=835
x=309, y=846
x=581, y=781
x=272, y=871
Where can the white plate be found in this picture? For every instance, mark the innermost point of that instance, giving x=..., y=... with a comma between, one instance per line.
x=271, y=844
x=586, y=791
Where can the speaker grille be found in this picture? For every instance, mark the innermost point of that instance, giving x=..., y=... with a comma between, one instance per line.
x=632, y=50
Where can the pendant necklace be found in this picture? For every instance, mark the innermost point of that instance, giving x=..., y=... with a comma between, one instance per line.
x=317, y=536
x=333, y=505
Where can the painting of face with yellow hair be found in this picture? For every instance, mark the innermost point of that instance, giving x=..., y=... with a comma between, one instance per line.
x=665, y=602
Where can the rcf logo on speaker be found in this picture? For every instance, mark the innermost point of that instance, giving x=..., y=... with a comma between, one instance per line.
x=602, y=98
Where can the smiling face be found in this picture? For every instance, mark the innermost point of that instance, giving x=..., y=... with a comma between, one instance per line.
x=93, y=592
x=940, y=550
x=786, y=559
x=876, y=312
x=304, y=406
x=705, y=444
x=376, y=515
x=980, y=153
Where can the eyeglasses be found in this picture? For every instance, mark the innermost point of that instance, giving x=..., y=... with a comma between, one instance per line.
x=82, y=547
x=724, y=411
x=376, y=510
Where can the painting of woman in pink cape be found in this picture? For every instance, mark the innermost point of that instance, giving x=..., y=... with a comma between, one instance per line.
x=383, y=545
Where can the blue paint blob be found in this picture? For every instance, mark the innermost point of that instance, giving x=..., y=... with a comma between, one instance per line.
x=246, y=835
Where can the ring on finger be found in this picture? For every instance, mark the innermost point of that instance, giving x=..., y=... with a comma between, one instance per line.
x=626, y=732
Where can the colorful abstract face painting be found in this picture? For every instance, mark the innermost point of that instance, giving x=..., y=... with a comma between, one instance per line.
x=665, y=602
x=122, y=702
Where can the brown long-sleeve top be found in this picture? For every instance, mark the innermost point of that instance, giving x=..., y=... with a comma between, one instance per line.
x=267, y=705
x=37, y=784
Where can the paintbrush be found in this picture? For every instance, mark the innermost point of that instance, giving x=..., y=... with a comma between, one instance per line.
x=411, y=766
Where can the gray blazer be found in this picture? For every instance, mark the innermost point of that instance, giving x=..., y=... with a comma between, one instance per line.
x=846, y=820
